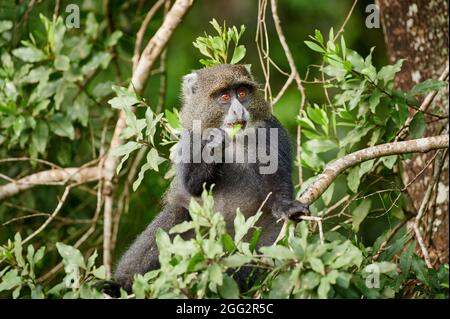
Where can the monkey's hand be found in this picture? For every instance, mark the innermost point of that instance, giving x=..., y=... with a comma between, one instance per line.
x=108, y=287
x=294, y=210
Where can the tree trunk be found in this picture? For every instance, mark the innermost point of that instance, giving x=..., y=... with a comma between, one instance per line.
x=417, y=30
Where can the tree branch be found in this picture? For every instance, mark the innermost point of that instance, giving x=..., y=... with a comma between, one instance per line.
x=50, y=177
x=332, y=170
x=141, y=32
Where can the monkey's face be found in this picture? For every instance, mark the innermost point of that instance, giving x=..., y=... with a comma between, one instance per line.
x=222, y=96
x=235, y=101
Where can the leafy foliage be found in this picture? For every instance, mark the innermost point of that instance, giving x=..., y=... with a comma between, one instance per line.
x=41, y=96
x=217, y=48
x=54, y=86
x=298, y=266
x=366, y=110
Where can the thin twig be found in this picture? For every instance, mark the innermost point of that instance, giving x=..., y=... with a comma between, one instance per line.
x=424, y=205
x=52, y=216
x=295, y=74
x=141, y=33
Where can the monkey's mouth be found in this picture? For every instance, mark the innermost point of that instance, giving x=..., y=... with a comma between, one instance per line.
x=242, y=123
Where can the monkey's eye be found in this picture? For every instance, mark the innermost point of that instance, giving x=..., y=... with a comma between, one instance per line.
x=242, y=93
x=225, y=97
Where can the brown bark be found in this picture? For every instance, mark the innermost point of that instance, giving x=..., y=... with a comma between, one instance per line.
x=417, y=30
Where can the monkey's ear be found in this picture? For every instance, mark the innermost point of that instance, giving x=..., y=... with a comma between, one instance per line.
x=190, y=84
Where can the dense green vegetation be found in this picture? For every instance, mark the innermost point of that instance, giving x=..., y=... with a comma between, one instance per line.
x=60, y=92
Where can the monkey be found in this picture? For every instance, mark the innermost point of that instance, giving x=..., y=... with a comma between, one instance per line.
x=218, y=98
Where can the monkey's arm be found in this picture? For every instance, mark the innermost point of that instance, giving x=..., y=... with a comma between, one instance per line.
x=194, y=175
x=280, y=183
x=142, y=256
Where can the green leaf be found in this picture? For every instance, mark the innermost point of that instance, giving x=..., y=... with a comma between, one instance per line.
x=387, y=73
x=153, y=161
x=229, y=288
x=406, y=258
x=343, y=47
x=389, y=161
x=238, y=54
x=360, y=213
x=343, y=279
x=317, y=265
x=124, y=150
x=228, y=243
x=278, y=252
x=315, y=47
x=29, y=54
x=39, y=255
x=318, y=35
x=319, y=116
x=283, y=284
x=374, y=100
x=62, y=126
x=320, y=146
x=355, y=136
x=124, y=98
x=99, y=272
x=328, y=194
x=182, y=227
x=173, y=118
x=80, y=110
x=39, y=136
x=365, y=167
x=310, y=280
x=62, y=63
x=10, y=280
x=420, y=268
x=39, y=74
x=417, y=126
x=113, y=38
x=92, y=26
x=427, y=86
x=99, y=59
x=70, y=255
x=236, y=260
x=255, y=238
x=353, y=179
x=18, y=250
x=242, y=226
x=324, y=288
x=5, y=25
x=215, y=276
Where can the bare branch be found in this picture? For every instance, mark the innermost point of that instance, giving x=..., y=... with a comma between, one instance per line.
x=294, y=74
x=141, y=32
x=50, y=177
x=332, y=170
